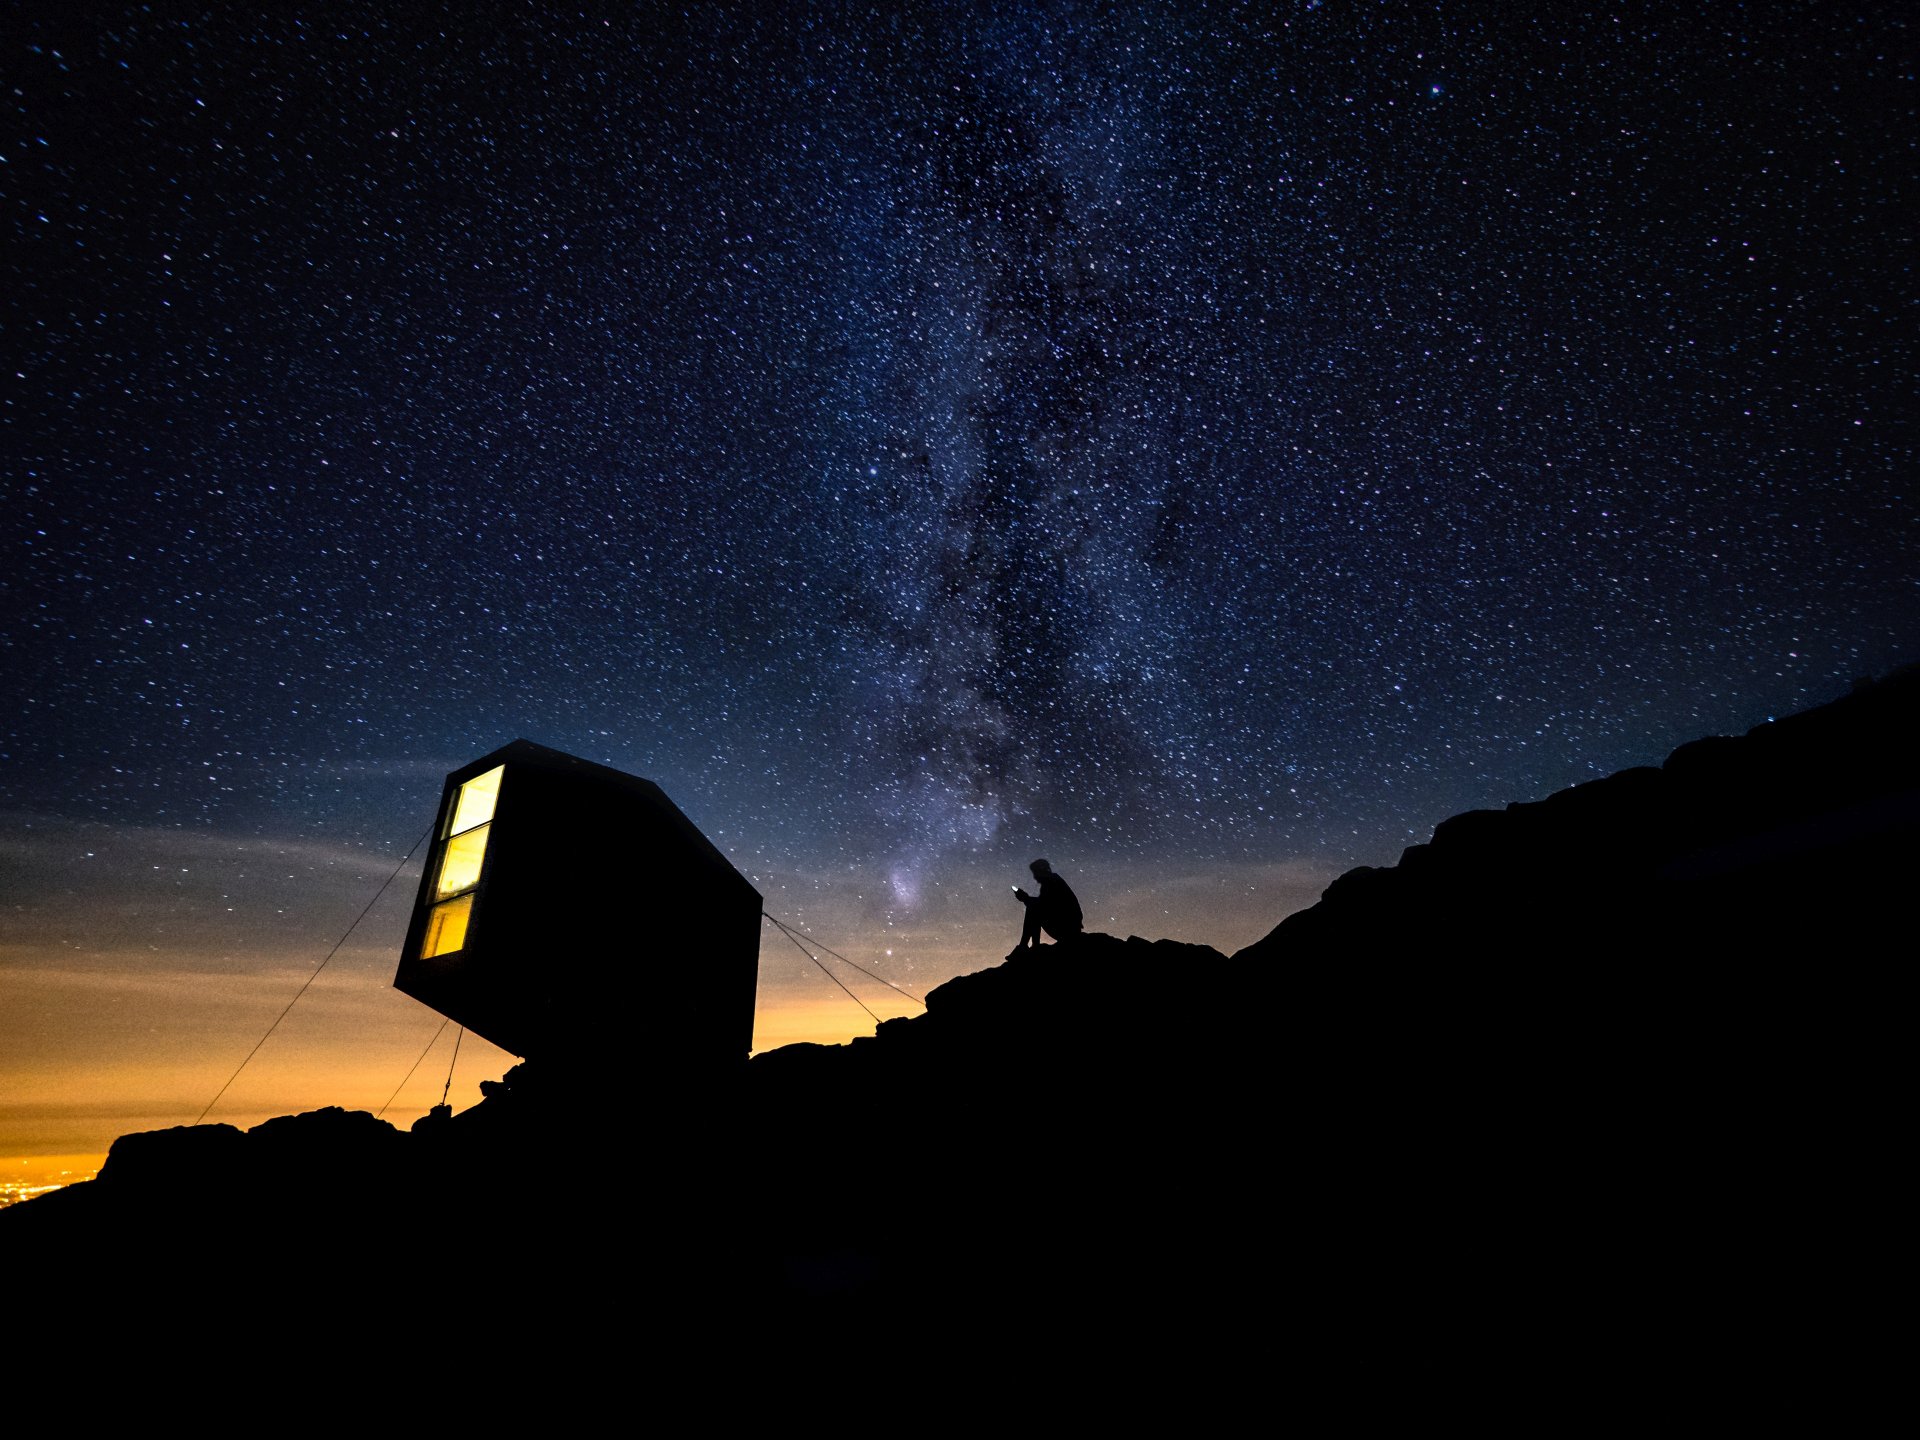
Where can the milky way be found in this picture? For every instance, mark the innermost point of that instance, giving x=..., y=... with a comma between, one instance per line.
x=1193, y=434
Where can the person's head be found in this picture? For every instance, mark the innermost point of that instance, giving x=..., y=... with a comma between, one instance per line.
x=1041, y=869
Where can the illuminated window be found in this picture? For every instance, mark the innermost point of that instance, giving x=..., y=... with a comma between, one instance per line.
x=477, y=799
x=460, y=862
x=462, y=854
x=447, y=926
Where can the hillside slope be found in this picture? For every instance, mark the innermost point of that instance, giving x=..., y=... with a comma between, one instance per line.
x=1578, y=1087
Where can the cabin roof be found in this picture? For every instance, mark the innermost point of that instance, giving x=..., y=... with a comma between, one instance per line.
x=530, y=753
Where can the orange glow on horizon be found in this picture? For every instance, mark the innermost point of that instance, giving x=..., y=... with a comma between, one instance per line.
x=824, y=1020
x=131, y=1025
x=22, y=1177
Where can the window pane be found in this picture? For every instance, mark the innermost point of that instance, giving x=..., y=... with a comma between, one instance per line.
x=447, y=927
x=477, y=797
x=460, y=865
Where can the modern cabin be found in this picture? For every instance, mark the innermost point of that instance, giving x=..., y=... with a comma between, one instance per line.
x=571, y=910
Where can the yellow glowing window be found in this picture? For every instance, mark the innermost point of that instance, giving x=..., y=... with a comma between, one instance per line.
x=447, y=926
x=476, y=802
x=461, y=856
x=460, y=863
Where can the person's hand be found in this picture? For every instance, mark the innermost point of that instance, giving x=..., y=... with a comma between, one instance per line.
x=1021, y=893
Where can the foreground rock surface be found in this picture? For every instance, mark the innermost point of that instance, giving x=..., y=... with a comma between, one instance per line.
x=1574, y=1087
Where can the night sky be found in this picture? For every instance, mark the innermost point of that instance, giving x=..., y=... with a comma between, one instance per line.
x=1206, y=445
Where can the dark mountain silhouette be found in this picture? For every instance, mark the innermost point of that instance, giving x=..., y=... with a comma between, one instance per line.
x=1593, y=1093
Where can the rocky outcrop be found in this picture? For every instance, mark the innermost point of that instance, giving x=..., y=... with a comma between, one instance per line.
x=314, y=1149
x=1617, y=1063
x=1747, y=846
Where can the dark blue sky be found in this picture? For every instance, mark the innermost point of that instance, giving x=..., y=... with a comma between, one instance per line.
x=1186, y=435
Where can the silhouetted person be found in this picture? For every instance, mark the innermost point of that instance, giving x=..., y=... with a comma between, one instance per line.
x=1055, y=909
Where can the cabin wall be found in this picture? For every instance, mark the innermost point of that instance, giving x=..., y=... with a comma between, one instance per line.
x=606, y=931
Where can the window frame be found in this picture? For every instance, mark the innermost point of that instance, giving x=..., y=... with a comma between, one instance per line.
x=468, y=894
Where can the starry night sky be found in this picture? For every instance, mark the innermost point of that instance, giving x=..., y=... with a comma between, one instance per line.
x=1193, y=442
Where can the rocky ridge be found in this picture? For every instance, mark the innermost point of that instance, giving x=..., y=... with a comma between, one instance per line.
x=1624, y=1056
